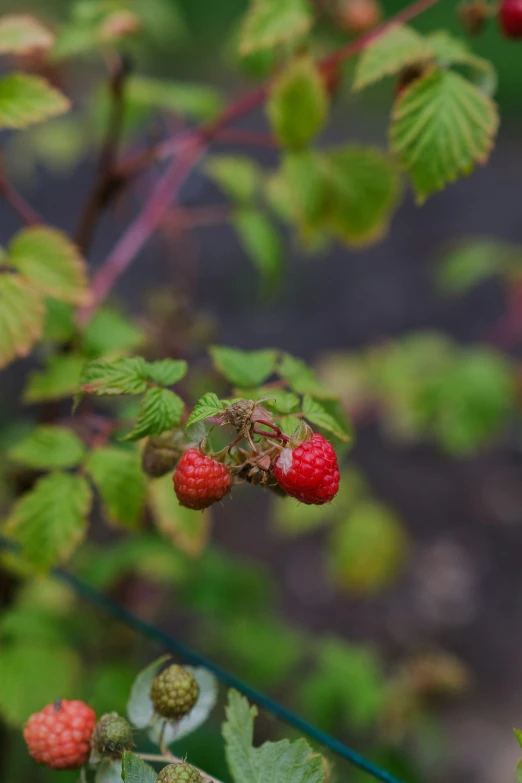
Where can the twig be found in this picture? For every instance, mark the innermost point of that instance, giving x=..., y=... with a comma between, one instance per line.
x=170, y=759
x=16, y=201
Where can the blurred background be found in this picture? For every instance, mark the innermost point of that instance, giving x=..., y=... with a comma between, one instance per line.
x=398, y=632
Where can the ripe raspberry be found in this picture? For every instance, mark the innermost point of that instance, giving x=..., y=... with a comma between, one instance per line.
x=59, y=735
x=112, y=735
x=174, y=692
x=179, y=773
x=200, y=481
x=310, y=472
x=510, y=18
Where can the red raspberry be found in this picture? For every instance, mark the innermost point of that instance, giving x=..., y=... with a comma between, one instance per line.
x=310, y=472
x=510, y=18
x=200, y=481
x=59, y=735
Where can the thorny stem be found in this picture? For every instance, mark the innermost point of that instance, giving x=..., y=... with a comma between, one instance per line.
x=170, y=759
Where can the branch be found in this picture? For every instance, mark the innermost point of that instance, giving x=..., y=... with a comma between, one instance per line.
x=16, y=201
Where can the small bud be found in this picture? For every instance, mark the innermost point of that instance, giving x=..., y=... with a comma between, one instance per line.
x=112, y=735
x=473, y=15
x=160, y=455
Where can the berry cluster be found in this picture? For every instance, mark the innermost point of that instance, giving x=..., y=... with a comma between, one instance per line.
x=304, y=466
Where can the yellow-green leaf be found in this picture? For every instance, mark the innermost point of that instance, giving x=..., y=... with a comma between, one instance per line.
x=261, y=241
x=21, y=317
x=160, y=410
x=20, y=34
x=317, y=414
x=271, y=22
x=119, y=479
x=389, y=54
x=26, y=99
x=49, y=448
x=187, y=529
x=60, y=378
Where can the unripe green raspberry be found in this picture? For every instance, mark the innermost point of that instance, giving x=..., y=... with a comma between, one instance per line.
x=174, y=692
x=179, y=773
x=112, y=735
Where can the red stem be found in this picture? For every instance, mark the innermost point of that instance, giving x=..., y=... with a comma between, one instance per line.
x=19, y=204
x=277, y=432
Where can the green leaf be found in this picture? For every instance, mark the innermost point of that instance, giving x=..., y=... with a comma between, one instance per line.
x=519, y=772
x=21, y=317
x=166, y=372
x=160, y=410
x=298, y=104
x=301, y=378
x=196, y=101
x=238, y=176
x=207, y=406
x=32, y=675
x=518, y=735
x=389, y=54
x=368, y=550
x=283, y=401
x=109, y=332
x=261, y=241
x=316, y=413
x=119, y=479
x=121, y=376
x=50, y=520
x=134, y=769
x=20, y=34
x=244, y=368
x=449, y=50
x=59, y=326
x=271, y=22
x=441, y=127
x=363, y=189
x=49, y=448
x=206, y=701
x=469, y=263
x=48, y=259
x=26, y=99
x=188, y=530
x=278, y=762
x=305, y=179
x=140, y=710
x=108, y=771
x=59, y=379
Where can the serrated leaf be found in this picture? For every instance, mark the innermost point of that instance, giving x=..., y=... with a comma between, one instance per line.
x=119, y=479
x=196, y=101
x=166, y=372
x=49, y=448
x=50, y=520
x=316, y=413
x=189, y=530
x=206, y=701
x=283, y=401
x=244, y=368
x=261, y=241
x=49, y=260
x=301, y=378
x=279, y=762
x=60, y=378
x=363, y=189
x=389, y=54
x=449, y=50
x=160, y=410
x=297, y=106
x=271, y=22
x=134, y=769
x=21, y=317
x=121, y=376
x=441, y=127
x=26, y=99
x=110, y=332
x=140, y=710
x=20, y=34
x=207, y=406
x=238, y=176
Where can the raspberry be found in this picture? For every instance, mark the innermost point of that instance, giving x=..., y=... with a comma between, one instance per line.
x=200, y=481
x=179, y=773
x=112, y=735
x=510, y=18
x=174, y=692
x=59, y=735
x=309, y=472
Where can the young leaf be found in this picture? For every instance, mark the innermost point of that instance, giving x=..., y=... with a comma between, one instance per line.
x=244, y=368
x=119, y=479
x=26, y=99
x=316, y=413
x=166, y=372
x=60, y=378
x=48, y=259
x=279, y=762
x=261, y=241
x=122, y=376
x=21, y=317
x=160, y=410
x=283, y=401
x=196, y=101
x=139, y=708
x=271, y=22
x=50, y=520
x=441, y=127
x=390, y=53
x=189, y=530
x=207, y=406
x=49, y=448
x=298, y=104
x=238, y=176
x=20, y=34
x=207, y=698
x=301, y=378
x=134, y=769
x=110, y=332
